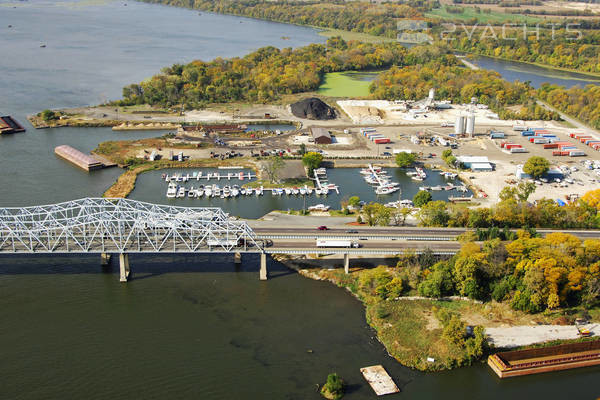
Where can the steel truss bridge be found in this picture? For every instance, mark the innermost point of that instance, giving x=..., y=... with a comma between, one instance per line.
x=99, y=225
x=123, y=226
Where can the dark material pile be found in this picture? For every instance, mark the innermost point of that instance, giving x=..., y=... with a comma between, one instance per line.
x=312, y=108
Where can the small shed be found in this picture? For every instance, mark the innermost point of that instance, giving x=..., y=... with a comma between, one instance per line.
x=321, y=135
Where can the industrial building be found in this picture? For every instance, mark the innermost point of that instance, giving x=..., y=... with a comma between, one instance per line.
x=553, y=173
x=476, y=163
x=321, y=136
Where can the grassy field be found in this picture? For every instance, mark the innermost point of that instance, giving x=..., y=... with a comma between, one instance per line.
x=348, y=35
x=347, y=84
x=482, y=17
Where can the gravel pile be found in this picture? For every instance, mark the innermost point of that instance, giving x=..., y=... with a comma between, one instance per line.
x=312, y=108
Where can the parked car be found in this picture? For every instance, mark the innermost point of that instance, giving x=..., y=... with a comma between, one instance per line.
x=351, y=231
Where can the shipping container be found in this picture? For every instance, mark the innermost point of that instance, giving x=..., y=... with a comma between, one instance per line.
x=577, y=153
x=556, y=153
x=540, y=141
x=519, y=128
x=551, y=146
x=382, y=141
x=527, y=133
x=518, y=150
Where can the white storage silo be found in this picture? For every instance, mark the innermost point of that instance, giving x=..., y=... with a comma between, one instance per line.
x=459, y=126
x=470, y=129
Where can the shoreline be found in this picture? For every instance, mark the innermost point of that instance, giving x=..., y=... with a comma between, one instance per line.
x=531, y=336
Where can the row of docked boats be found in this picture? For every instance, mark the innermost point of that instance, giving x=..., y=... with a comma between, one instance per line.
x=379, y=178
x=176, y=191
x=460, y=188
x=198, y=175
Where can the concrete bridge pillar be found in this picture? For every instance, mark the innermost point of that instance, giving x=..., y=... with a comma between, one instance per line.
x=124, y=267
x=347, y=263
x=105, y=259
x=237, y=258
x=263, y=275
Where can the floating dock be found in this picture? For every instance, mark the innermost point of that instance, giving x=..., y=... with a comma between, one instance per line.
x=545, y=359
x=78, y=158
x=380, y=380
x=9, y=125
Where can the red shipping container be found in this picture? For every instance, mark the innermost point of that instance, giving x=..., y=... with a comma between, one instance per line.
x=382, y=141
x=564, y=153
x=556, y=153
x=551, y=146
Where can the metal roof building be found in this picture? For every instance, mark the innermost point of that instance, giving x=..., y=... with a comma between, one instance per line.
x=321, y=135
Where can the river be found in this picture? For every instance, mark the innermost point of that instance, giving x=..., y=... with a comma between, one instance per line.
x=186, y=327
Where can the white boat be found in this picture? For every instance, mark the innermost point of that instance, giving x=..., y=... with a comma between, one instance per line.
x=259, y=191
x=191, y=193
x=208, y=191
x=172, y=190
x=243, y=191
x=235, y=192
x=423, y=188
x=405, y=203
x=249, y=192
x=295, y=191
x=319, y=207
x=325, y=191
x=181, y=192
x=303, y=191
x=217, y=191
x=288, y=191
x=309, y=191
x=226, y=191
x=200, y=192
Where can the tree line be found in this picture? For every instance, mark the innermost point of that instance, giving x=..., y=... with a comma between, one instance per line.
x=581, y=103
x=459, y=84
x=268, y=73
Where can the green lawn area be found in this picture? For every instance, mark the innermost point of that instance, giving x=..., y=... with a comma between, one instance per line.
x=347, y=84
x=348, y=35
x=482, y=17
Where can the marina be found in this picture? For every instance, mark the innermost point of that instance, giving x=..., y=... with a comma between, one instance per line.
x=211, y=320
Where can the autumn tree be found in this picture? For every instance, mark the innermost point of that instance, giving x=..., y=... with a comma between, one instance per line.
x=536, y=166
x=404, y=159
x=272, y=167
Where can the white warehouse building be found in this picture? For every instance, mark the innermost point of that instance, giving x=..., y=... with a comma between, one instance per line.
x=476, y=163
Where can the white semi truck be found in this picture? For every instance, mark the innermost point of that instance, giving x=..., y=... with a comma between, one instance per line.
x=336, y=243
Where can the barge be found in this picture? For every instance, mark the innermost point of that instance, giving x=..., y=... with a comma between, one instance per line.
x=78, y=158
x=545, y=359
x=9, y=125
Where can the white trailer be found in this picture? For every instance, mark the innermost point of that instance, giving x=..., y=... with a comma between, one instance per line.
x=336, y=243
x=222, y=242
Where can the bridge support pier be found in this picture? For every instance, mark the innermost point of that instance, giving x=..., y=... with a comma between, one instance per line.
x=105, y=259
x=347, y=263
x=263, y=275
x=237, y=258
x=124, y=267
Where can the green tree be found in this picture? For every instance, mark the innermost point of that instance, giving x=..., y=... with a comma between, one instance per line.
x=312, y=160
x=377, y=214
x=434, y=213
x=272, y=167
x=48, y=115
x=421, y=198
x=333, y=389
x=404, y=159
x=354, y=201
x=302, y=149
x=536, y=166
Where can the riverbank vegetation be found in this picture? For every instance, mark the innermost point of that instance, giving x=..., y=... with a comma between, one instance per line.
x=514, y=212
x=580, y=103
x=420, y=308
x=268, y=73
x=554, y=47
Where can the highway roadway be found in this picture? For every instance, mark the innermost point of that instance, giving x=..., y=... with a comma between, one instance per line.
x=392, y=232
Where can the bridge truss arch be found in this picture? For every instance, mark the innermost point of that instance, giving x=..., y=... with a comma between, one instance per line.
x=105, y=225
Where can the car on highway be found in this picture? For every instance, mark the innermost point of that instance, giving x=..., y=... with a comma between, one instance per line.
x=351, y=231
x=387, y=153
x=322, y=228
